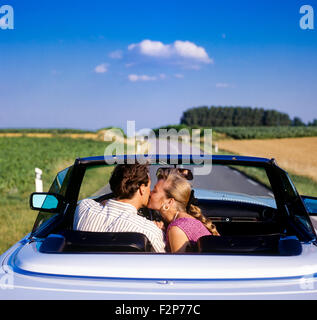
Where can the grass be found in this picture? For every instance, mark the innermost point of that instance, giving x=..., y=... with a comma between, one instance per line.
x=242, y=133
x=304, y=185
x=94, y=180
x=20, y=155
x=267, y=132
x=18, y=159
x=36, y=130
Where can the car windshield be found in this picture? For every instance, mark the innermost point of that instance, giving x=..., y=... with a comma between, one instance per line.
x=238, y=200
x=58, y=186
x=217, y=182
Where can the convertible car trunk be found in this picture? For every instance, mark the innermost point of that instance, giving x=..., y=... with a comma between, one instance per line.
x=68, y=242
x=208, y=264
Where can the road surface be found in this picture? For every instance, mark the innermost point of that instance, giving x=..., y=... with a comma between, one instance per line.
x=221, y=178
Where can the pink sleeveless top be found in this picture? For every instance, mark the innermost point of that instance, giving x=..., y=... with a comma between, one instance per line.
x=193, y=228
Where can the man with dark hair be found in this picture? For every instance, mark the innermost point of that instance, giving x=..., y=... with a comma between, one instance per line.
x=126, y=179
x=130, y=184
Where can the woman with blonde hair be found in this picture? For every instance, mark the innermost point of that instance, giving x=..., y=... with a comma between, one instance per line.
x=174, y=198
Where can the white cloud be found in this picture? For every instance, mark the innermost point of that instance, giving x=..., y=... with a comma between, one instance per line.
x=179, y=75
x=118, y=54
x=152, y=48
x=188, y=49
x=102, y=68
x=178, y=49
x=135, y=78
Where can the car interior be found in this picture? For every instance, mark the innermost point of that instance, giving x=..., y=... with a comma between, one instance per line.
x=245, y=227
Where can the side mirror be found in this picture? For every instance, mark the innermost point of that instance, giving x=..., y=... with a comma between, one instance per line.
x=310, y=204
x=47, y=202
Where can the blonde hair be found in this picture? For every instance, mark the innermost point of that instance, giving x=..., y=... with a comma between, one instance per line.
x=178, y=188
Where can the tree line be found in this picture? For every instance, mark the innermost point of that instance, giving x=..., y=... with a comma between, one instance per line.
x=238, y=117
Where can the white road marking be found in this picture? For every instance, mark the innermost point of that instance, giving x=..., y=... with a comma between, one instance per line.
x=253, y=182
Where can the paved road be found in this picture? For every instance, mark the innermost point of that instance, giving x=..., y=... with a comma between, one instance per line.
x=221, y=178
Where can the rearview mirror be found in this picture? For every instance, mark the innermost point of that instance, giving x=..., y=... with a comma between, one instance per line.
x=310, y=204
x=46, y=201
x=186, y=173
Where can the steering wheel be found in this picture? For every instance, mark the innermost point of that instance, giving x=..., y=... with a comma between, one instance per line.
x=150, y=214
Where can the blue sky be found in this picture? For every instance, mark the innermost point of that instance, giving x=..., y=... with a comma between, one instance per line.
x=88, y=65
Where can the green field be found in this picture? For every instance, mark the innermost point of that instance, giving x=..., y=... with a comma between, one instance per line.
x=267, y=132
x=18, y=159
x=276, y=132
x=37, y=130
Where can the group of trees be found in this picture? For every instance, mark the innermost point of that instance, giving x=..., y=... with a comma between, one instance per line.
x=238, y=117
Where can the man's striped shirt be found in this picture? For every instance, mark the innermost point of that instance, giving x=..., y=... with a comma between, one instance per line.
x=116, y=216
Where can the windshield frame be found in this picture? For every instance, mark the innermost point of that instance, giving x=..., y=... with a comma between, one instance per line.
x=275, y=176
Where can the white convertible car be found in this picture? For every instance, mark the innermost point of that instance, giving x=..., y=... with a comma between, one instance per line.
x=267, y=248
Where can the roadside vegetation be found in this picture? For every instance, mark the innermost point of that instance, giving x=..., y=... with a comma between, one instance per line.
x=66, y=133
x=242, y=133
x=38, y=130
x=246, y=133
x=18, y=159
x=22, y=150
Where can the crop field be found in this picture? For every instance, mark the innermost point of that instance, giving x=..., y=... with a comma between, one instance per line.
x=20, y=155
x=296, y=155
x=241, y=133
x=18, y=158
x=277, y=132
